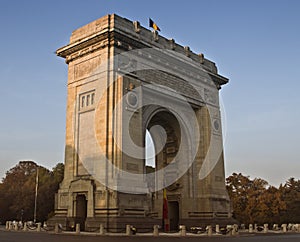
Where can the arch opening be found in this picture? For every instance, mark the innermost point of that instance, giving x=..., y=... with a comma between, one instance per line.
x=162, y=142
x=149, y=152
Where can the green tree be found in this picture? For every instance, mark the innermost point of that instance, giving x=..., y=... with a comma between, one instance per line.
x=290, y=192
x=18, y=191
x=48, y=188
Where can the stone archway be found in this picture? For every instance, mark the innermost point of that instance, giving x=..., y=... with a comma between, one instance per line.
x=171, y=145
x=165, y=131
x=113, y=75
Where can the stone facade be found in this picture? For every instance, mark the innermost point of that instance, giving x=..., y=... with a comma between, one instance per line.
x=122, y=80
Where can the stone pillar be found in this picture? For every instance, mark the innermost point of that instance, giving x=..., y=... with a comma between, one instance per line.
x=155, y=230
x=250, y=228
x=234, y=229
x=209, y=230
x=102, y=231
x=182, y=230
x=77, y=229
x=255, y=227
x=56, y=228
x=266, y=228
x=10, y=225
x=39, y=225
x=217, y=228
x=25, y=227
x=284, y=228
x=128, y=229
x=16, y=226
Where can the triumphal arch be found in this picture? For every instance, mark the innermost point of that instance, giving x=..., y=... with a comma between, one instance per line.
x=126, y=81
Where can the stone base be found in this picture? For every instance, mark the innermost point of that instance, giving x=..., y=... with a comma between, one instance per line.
x=112, y=224
x=118, y=224
x=63, y=221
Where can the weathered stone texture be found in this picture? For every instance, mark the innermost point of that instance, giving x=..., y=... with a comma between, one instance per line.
x=91, y=58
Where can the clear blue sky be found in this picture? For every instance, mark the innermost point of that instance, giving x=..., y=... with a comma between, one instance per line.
x=256, y=44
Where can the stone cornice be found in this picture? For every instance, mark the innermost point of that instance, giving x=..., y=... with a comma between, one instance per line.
x=218, y=79
x=83, y=47
x=120, y=33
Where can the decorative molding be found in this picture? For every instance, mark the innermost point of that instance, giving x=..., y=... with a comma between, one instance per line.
x=87, y=68
x=187, y=51
x=172, y=44
x=155, y=35
x=201, y=58
x=84, y=51
x=137, y=26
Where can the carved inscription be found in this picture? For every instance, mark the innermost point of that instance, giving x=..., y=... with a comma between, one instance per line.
x=87, y=68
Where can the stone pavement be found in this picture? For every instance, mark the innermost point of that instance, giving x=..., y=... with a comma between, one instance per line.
x=17, y=236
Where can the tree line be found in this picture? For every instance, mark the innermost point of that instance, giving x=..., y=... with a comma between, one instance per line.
x=18, y=191
x=255, y=201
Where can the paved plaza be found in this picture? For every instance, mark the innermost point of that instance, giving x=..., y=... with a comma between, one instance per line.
x=12, y=236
